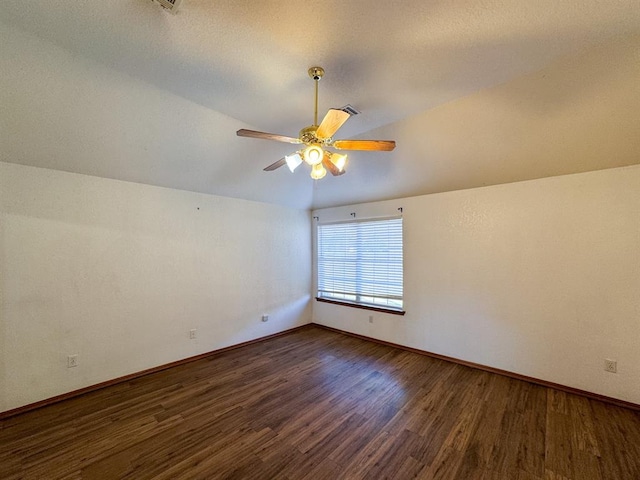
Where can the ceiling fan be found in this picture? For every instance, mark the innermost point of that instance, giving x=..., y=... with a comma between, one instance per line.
x=317, y=138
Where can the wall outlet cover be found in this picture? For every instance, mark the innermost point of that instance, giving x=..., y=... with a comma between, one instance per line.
x=610, y=366
x=72, y=360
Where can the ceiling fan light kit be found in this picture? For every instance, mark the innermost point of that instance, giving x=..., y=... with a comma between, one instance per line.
x=313, y=154
x=318, y=171
x=293, y=161
x=317, y=138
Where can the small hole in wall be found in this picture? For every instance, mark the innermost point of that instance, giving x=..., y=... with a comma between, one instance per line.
x=198, y=208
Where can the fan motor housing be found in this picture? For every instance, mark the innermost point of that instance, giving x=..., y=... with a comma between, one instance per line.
x=308, y=134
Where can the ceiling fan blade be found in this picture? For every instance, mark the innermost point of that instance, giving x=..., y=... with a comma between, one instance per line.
x=266, y=136
x=333, y=170
x=275, y=165
x=331, y=122
x=378, y=145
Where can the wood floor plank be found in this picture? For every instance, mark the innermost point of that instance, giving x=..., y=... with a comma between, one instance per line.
x=618, y=441
x=392, y=457
x=316, y=404
x=486, y=435
x=367, y=457
x=445, y=465
x=327, y=469
x=558, y=451
x=524, y=475
x=356, y=440
x=531, y=448
x=584, y=434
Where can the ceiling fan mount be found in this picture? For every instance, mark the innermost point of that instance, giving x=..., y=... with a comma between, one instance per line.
x=319, y=137
x=316, y=73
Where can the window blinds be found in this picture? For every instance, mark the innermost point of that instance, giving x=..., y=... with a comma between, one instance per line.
x=361, y=262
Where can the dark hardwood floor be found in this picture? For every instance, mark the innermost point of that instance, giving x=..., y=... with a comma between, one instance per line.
x=316, y=404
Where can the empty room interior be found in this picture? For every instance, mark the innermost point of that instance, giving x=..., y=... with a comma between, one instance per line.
x=343, y=240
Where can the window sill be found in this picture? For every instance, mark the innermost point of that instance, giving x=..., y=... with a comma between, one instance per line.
x=363, y=307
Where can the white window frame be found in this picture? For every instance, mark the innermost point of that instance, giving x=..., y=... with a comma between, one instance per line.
x=353, y=270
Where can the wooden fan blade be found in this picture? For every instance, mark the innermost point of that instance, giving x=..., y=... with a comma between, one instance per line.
x=379, y=145
x=275, y=165
x=331, y=122
x=266, y=136
x=328, y=164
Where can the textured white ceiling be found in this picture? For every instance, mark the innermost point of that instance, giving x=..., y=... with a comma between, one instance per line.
x=475, y=93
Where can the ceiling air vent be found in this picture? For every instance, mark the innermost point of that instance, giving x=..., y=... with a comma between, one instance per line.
x=169, y=5
x=349, y=109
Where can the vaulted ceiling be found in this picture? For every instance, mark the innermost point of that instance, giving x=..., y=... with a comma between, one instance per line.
x=475, y=93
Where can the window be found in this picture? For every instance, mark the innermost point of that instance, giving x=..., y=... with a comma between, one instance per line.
x=360, y=263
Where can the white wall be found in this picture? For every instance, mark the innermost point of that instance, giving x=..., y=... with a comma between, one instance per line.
x=540, y=278
x=119, y=272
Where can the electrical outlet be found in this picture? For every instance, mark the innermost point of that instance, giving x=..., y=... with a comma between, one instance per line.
x=265, y=318
x=193, y=333
x=72, y=360
x=610, y=366
x=370, y=318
